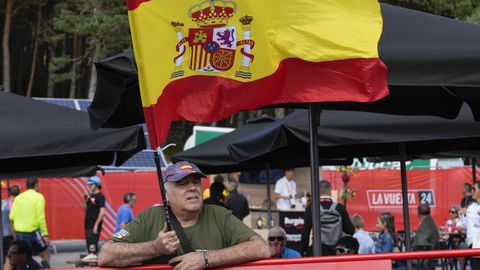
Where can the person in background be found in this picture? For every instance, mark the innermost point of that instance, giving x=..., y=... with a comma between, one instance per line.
x=453, y=224
x=367, y=246
x=236, y=202
x=470, y=219
x=426, y=236
x=29, y=223
x=347, y=245
x=20, y=256
x=386, y=226
x=13, y=191
x=285, y=191
x=467, y=195
x=216, y=195
x=333, y=214
x=220, y=179
x=427, y=233
x=94, y=212
x=277, y=239
x=125, y=213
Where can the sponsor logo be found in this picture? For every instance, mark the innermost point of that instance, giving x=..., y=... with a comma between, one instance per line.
x=392, y=198
x=295, y=222
x=294, y=237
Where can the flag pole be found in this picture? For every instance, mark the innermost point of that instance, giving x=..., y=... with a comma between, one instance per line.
x=162, y=189
x=406, y=214
x=474, y=173
x=269, y=197
x=314, y=120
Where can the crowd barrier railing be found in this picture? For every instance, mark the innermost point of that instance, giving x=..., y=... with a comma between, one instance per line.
x=344, y=262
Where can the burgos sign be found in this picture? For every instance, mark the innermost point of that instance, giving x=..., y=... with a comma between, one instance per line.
x=392, y=198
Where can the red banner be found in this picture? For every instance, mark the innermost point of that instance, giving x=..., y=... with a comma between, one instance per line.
x=379, y=191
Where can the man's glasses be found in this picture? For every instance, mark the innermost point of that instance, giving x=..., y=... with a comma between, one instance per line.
x=452, y=212
x=278, y=238
x=342, y=250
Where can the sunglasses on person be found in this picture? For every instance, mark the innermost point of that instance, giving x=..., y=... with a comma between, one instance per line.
x=343, y=250
x=276, y=238
x=452, y=212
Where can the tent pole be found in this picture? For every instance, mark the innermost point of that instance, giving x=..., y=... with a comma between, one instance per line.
x=314, y=120
x=162, y=189
x=269, y=197
x=474, y=171
x=406, y=214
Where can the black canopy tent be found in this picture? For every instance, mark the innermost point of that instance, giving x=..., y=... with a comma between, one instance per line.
x=432, y=64
x=213, y=156
x=42, y=139
x=347, y=134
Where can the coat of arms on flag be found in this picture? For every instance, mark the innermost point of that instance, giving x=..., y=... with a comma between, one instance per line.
x=213, y=45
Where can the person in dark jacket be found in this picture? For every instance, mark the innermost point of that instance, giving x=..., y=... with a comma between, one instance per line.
x=326, y=202
x=216, y=195
x=426, y=236
x=427, y=232
x=236, y=202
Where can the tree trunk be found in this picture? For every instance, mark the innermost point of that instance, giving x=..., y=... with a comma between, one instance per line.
x=279, y=113
x=74, y=70
x=50, y=83
x=93, y=71
x=35, y=51
x=5, y=44
x=241, y=118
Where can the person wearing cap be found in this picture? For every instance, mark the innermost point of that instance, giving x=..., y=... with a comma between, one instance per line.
x=215, y=235
x=94, y=212
x=28, y=219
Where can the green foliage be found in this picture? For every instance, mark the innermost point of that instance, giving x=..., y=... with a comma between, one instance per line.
x=474, y=16
x=458, y=9
x=56, y=65
x=103, y=23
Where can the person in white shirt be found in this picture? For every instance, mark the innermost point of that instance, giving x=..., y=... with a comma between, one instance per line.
x=367, y=246
x=470, y=218
x=285, y=191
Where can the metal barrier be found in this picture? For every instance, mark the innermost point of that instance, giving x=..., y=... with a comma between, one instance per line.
x=370, y=261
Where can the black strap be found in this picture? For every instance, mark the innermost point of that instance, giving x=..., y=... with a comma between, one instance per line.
x=184, y=243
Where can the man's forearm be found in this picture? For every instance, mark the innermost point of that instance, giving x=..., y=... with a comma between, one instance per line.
x=251, y=250
x=118, y=254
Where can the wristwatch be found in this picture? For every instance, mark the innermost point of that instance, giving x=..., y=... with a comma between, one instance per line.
x=205, y=257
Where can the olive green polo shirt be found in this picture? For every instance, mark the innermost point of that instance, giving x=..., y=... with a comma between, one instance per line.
x=216, y=228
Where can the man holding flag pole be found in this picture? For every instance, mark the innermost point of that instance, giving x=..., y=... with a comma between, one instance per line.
x=203, y=60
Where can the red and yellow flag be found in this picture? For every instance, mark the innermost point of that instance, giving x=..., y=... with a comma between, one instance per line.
x=203, y=60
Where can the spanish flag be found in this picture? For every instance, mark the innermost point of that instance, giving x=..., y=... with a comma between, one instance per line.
x=203, y=60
